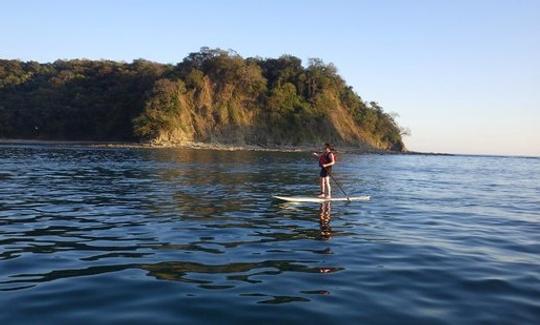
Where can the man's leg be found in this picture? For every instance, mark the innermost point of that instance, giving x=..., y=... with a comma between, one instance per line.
x=328, y=188
x=322, y=187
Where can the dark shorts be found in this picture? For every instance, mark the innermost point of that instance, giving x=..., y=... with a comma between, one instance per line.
x=325, y=172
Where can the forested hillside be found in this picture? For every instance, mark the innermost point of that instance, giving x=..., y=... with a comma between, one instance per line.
x=212, y=96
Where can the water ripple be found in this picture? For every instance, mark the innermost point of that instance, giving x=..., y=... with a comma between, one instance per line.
x=165, y=236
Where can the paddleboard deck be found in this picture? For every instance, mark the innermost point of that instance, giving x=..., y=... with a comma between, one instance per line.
x=320, y=200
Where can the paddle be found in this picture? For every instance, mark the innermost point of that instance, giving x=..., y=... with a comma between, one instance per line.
x=341, y=188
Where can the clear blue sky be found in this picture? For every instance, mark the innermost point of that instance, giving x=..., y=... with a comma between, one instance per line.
x=464, y=76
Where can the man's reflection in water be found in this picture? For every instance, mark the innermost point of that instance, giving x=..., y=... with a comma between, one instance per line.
x=324, y=220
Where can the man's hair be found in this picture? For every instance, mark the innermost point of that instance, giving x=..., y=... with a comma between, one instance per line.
x=329, y=146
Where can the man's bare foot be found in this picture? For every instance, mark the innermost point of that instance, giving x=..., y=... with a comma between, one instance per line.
x=322, y=195
x=328, y=196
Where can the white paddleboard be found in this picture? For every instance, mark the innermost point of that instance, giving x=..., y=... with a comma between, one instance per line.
x=320, y=200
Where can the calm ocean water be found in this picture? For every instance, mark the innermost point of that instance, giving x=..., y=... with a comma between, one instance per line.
x=92, y=235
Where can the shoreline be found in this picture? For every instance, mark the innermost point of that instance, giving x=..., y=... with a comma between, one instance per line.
x=205, y=146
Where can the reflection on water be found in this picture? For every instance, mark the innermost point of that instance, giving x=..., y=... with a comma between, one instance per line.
x=189, y=235
x=324, y=220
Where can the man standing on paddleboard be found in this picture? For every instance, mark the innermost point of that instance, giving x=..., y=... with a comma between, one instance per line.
x=326, y=160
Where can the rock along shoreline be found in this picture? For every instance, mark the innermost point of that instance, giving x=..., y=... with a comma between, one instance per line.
x=205, y=146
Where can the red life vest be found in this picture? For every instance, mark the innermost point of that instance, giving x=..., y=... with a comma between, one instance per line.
x=325, y=158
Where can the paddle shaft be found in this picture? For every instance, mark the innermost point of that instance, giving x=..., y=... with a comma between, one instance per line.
x=339, y=185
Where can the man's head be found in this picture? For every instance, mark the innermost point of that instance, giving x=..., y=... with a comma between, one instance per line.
x=327, y=147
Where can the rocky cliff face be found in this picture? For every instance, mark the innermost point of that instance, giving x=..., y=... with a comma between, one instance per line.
x=213, y=115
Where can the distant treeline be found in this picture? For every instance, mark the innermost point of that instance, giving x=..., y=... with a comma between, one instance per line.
x=211, y=96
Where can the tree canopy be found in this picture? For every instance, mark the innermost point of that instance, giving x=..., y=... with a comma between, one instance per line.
x=213, y=95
